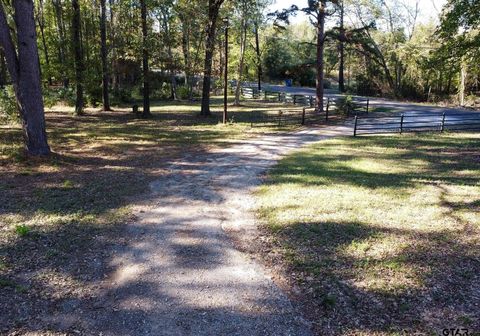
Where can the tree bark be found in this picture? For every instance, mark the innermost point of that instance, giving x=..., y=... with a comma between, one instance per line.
x=186, y=48
x=24, y=69
x=146, y=80
x=213, y=9
x=3, y=70
x=320, y=49
x=41, y=26
x=259, y=60
x=165, y=20
x=77, y=46
x=463, y=79
x=104, y=52
x=113, y=48
x=341, y=47
x=243, y=42
x=57, y=5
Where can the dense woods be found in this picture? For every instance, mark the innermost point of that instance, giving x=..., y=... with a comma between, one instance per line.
x=102, y=52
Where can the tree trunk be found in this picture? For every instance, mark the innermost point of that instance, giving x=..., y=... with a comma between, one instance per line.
x=173, y=81
x=115, y=76
x=221, y=59
x=57, y=5
x=341, y=47
x=243, y=42
x=320, y=48
x=3, y=70
x=463, y=79
x=186, y=50
x=77, y=46
x=259, y=60
x=173, y=78
x=213, y=8
x=24, y=71
x=41, y=26
x=146, y=82
x=105, y=73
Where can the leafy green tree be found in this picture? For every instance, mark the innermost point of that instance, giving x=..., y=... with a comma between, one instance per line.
x=318, y=11
x=213, y=11
x=23, y=66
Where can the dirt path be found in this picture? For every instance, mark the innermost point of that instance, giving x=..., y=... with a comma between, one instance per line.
x=180, y=273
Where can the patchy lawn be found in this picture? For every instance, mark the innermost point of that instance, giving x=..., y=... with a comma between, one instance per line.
x=379, y=235
x=59, y=216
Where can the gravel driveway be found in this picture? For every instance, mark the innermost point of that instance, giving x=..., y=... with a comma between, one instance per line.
x=180, y=272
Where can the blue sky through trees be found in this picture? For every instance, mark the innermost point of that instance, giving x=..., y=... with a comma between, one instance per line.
x=429, y=9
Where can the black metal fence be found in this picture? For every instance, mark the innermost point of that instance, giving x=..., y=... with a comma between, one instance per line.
x=421, y=122
x=283, y=117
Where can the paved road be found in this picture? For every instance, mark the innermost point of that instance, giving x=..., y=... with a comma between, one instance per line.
x=400, y=107
x=180, y=272
x=417, y=116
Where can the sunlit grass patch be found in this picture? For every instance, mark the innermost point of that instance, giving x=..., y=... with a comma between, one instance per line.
x=380, y=228
x=61, y=216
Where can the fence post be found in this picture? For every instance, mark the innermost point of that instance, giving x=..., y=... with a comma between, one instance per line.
x=368, y=104
x=294, y=99
x=327, y=112
x=401, y=124
x=443, y=122
x=279, y=98
x=355, y=127
x=303, y=116
x=310, y=99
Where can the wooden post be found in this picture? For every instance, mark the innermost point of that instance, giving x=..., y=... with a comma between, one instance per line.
x=303, y=116
x=443, y=122
x=326, y=113
x=328, y=108
x=355, y=126
x=368, y=104
x=401, y=124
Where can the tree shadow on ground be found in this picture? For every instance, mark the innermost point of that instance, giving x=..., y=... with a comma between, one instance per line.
x=389, y=275
x=53, y=276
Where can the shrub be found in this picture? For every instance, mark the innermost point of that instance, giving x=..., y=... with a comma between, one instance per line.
x=50, y=97
x=22, y=230
x=182, y=92
x=365, y=86
x=67, y=95
x=123, y=95
x=8, y=103
x=345, y=104
x=93, y=95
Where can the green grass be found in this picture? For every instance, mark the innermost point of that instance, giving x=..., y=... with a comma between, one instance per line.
x=379, y=231
x=382, y=109
x=22, y=230
x=106, y=153
x=59, y=216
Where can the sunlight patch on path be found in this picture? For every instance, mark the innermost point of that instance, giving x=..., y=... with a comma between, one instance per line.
x=179, y=273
